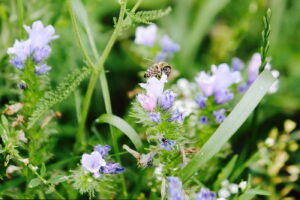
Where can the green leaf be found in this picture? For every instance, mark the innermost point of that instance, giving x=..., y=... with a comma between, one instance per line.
x=43, y=170
x=34, y=182
x=250, y=194
x=148, y=16
x=63, y=90
x=83, y=19
x=58, y=179
x=225, y=172
x=122, y=126
x=231, y=124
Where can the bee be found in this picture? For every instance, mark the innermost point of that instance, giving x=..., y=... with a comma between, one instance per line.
x=158, y=69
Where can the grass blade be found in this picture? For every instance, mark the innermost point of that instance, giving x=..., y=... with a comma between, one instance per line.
x=122, y=126
x=231, y=124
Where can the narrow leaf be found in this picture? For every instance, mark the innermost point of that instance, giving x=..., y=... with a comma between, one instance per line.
x=34, y=182
x=122, y=126
x=250, y=194
x=226, y=171
x=231, y=124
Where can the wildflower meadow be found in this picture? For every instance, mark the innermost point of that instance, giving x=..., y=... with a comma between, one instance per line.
x=150, y=99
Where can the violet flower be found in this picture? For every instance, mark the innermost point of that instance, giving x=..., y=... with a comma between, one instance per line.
x=237, y=64
x=42, y=69
x=174, y=188
x=167, y=99
x=155, y=117
x=201, y=101
x=93, y=162
x=102, y=149
x=253, y=67
x=155, y=86
x=219, y=115
x=203, y=120
x=205, y=194
x=176, y=116
x=167, y=144
x=112, y=168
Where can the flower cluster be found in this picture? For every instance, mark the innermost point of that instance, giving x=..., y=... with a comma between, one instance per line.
x=148, y=37
x=96, y=164
x=159, y=103
x=36, y=47
x=230, y=189
x=206, y=194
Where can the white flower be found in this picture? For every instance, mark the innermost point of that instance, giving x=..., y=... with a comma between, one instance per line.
x=154, y=86
x=20, y=49
x=233, y=188
x=146, y=35
x=224, y=193
x=206, y=83
x=243, y=185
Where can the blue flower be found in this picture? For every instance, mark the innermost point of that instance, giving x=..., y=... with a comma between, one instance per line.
x=42, y=69
x=176, y=116
x=205, y=194
x=155, y=117
x=112, y=168
x=167, y=144
x=161, y=56
x=146, y=35
x=22, y=85
x=167, y=99
x=168, y=45
x=223, y=96
x=242, y=88
x=237, y=64
x=21, y=51
x=219, y=115
x=39, y=35
x=174, y=188
x=201, y=101
x=103, y=150
x=40, y=53
x=203, y=120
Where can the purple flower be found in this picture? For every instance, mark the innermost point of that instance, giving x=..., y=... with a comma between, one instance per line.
x=223, y=96
x=167, y=99
x=201, y=101
x=204, y=120
x=206, y=83
x=102, y=149
x=39, y=35
x=146, y=35
x=237, y=64
x=93, y=162
x=17, y=62
x=167, y=144
x=112, y=168
x=224, y=77
x=174, y=188
x=242, y=88
x=205, y=194
x=253, y=67
x=40, y=53
x=168, y=45
x=219, y=115
x=42, y=69
x=176, y=116
x=155, y=117
x=148, y=102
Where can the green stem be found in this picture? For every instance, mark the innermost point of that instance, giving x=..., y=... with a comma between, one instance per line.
x=21, y=17
x=76, y=30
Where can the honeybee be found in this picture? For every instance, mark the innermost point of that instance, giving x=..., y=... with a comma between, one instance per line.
x=158, y=69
